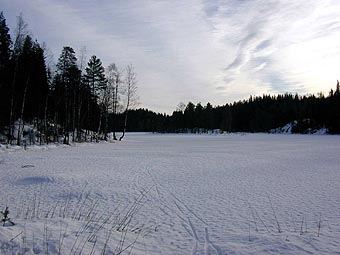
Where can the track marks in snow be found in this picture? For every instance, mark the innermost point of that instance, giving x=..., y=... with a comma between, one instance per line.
x=196, y=240
x=207, y=242
x=208, y=188
x=207, y=245
x=194, y=233
x=188, y=209
x=185, y=215
x=35, y=180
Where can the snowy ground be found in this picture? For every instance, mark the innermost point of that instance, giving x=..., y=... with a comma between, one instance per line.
x=175, y=194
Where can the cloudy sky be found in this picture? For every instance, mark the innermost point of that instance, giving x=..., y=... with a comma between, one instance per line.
x=215, y=51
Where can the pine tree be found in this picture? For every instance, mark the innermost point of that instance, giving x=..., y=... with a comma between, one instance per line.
x=25, y=75
x=95, y=76
x=95, y=79
x=189, y=116
x=37, y=94
x=65, y=90
x=5, y=53
x=17, y=75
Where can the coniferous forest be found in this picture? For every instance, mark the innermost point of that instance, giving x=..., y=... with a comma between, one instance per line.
x=81, y=100
x=257, y=114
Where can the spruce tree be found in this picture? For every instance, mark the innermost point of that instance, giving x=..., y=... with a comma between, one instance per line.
x=65, y=90
x=96, y=81
x=24, y=81
x=5, y=53
x=95, y=76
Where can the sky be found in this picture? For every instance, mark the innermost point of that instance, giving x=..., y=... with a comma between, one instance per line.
x=216, y=51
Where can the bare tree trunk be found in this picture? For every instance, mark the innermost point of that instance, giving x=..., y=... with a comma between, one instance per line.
x=45, y=119
x=66, y=137
x=67, y=118
x=55, y=131
x=131, y=97
x=78, y=121
x=126, y=116
x=100, y=124
x=89, y=115
x=115, y=103
x=11, y=115
x=114, y=80
x=21, y=127
x=106, y=123
x=113, y=117
x=56, y=116
x=125, y=123
x=74, y=117
x=41, y=134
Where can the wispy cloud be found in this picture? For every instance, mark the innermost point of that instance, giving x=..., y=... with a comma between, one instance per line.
x=281, y=45
x=198, y=50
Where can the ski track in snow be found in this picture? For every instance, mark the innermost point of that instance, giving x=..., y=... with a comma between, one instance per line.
x=204, y=194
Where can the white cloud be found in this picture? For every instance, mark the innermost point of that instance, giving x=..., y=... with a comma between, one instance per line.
x=281, y=45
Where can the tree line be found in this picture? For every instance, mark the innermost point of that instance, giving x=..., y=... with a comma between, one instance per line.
x=77, y=100
x=256, y=114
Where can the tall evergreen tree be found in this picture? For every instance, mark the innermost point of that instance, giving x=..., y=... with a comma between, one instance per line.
x=95, y=79
x=65, y=90
x=39, y=91
x=18, y=74
x=5, y=53
x=95, y=76
x=24, y=81
x=189, y=116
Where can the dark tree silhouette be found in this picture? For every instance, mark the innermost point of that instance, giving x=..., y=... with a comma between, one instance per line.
x=95, y=78
x=5, y=68
x=65, y=91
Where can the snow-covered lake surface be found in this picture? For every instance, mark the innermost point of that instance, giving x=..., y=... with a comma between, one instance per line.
x=175, y=194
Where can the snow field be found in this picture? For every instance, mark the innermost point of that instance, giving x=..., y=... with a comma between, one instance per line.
x=175, y=194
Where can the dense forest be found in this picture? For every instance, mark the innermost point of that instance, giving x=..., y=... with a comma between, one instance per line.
x=257, y=114
x=74, y=101
x=81, y=100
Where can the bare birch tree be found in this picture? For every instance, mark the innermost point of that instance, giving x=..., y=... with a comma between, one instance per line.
x=48, y=56
x=131, y=96
x=114, y=79
x=105, y=99
x=82, y=64
x=21, y=32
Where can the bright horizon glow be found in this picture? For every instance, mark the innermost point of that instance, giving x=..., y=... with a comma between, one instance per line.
x=197, y=50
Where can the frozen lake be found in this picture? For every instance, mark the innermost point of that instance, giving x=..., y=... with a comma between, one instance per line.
x=204, y=194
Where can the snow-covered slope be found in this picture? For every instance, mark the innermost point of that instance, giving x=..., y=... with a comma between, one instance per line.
x=175, y=194
x=286, y=129
x=304, y=128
